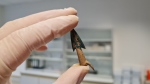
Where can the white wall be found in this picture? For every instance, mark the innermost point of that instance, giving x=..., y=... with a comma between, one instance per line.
x=130, y=20
x=1, y=15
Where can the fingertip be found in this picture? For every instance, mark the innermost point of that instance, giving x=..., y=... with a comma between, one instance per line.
x=42, y=48
x=73, y=17
x=64, y=24
x=71, y=9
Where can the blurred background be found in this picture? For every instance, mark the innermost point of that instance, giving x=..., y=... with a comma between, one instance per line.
x=116, y=34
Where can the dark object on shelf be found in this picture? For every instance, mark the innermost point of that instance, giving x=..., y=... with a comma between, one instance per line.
x=93, y=72
x=38, y=64
x=78, y=44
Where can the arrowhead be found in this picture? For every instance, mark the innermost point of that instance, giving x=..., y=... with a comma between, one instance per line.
x=75, y=39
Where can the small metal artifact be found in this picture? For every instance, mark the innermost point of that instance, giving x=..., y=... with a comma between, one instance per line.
x=78, y=44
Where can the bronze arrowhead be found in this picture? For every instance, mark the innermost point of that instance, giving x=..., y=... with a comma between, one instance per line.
x=78, y=44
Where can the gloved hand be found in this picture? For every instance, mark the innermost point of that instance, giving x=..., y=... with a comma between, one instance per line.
x=20, y=37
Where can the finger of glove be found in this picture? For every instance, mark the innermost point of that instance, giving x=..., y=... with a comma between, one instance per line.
x=42, y=48
x=12, y=26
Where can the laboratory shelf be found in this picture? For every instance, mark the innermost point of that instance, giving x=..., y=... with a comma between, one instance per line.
x=16, y=74
x=44, y=58
x=40, y=73
x=54, y=50
x=94, y=40
x=99, y=79
x=91, y=57
x=90, y=51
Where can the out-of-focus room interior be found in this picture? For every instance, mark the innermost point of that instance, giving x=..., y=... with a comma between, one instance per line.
x=116, y=34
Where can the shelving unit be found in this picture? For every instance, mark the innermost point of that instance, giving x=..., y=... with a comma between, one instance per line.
x=52, y=59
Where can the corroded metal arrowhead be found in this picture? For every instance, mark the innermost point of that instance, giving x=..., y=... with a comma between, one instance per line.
x=78, y=44
x=75, y=39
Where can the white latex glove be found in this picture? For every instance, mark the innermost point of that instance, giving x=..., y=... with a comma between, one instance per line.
x=20, y=37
